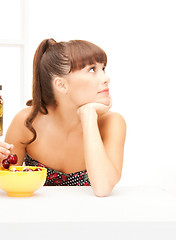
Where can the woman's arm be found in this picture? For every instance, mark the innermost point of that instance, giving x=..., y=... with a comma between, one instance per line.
x=17, y=134
x=104, y=159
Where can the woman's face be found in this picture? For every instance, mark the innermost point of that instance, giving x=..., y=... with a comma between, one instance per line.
x=86, y=85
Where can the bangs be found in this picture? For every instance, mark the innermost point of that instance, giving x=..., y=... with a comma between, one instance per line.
x=82, y=53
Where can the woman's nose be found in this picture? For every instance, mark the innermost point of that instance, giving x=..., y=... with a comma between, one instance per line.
x=106, y=79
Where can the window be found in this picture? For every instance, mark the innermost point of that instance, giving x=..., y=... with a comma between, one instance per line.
x=12, y=57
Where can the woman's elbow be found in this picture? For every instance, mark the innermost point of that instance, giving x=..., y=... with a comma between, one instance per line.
x=102, y=194
x=103, y=191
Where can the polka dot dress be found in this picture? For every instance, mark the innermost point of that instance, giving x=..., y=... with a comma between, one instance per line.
x=57, y=178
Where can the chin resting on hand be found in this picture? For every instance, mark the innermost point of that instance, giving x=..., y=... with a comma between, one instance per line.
x=97, y=108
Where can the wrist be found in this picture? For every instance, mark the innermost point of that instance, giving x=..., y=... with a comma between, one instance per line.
x=87, y=113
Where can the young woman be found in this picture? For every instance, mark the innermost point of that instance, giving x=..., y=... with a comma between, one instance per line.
x=67, y=126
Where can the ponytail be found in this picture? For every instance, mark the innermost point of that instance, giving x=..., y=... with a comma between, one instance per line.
x=37, y=101
x=37, y=98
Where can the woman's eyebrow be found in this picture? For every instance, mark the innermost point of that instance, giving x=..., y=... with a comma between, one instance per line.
x=91, y=65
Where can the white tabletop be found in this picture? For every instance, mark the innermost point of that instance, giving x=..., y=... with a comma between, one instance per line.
x=79, y=205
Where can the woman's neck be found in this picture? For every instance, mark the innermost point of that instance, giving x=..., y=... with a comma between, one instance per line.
x=66, y=117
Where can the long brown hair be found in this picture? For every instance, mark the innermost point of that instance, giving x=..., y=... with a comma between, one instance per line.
x=57, y=59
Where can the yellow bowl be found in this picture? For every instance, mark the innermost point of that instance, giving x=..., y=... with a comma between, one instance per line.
x=22, y=184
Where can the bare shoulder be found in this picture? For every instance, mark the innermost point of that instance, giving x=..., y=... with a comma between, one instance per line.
x=17, y=127
x=112, y=119
x=20, y=117
x=112, y=125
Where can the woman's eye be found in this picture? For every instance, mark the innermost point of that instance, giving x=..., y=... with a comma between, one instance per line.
x=92, y=69
x=104, y=69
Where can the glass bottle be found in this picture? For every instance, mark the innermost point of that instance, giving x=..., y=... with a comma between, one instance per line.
x=1, y=112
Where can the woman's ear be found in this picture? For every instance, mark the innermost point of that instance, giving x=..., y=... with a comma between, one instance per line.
x=60, y=85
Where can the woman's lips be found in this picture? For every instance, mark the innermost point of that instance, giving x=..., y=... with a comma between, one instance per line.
x=106, y=91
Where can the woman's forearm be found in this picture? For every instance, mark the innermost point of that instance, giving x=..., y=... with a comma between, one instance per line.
x=102, y=174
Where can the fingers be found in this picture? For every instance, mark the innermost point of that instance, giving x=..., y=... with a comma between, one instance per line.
x=5, y=149
x=2, y=156
x=4, y=145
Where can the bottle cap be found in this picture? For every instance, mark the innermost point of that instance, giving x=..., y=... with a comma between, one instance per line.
x=0, y=87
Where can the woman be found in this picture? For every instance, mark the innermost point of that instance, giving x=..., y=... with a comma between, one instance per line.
x=67, y=126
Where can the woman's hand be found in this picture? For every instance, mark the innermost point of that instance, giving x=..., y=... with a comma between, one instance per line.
x=5, y=149
x=95, y=108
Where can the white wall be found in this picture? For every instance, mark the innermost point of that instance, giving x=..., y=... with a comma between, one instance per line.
x=11, y=58
x=139, y=38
